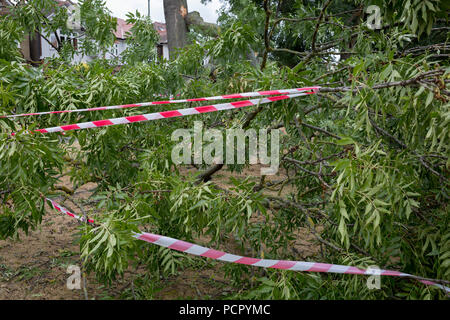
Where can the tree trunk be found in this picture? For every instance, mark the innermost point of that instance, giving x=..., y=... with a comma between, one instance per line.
x=35, y=47
x=174, y=12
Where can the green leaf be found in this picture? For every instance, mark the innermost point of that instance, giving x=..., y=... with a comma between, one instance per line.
x=345, y=141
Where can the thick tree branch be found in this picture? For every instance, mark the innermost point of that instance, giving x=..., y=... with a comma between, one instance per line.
x=266, y=34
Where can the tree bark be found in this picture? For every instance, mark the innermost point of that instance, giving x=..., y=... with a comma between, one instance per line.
x=174, y=12
x=35, y=47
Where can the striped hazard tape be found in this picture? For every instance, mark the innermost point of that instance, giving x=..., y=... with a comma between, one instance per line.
x=67, y=212
x=170, y=114
x=197, y=250
x=171, y=101
x=305, y=266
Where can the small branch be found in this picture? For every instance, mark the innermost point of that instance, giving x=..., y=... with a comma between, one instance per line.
x=319, y=129
x=279, y=20
x=48, y=41
x=319, y=20
x=154, y=191
x=330, y=73
x=403, y=83
x=65, y=189
x=206, y=176
x=311, y=227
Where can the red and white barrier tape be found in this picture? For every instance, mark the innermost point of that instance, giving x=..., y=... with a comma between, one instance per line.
x=65, y=211
x=169, y=114
x=143, y=104
x=197, y=250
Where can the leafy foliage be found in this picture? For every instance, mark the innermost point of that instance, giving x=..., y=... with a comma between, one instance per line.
x=367, y=158
x=141, y=40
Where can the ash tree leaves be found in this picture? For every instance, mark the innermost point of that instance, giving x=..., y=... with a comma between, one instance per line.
x=418, y=16
x=98, y=24
x=27, y=169
x=10, y=34
x=365, y=161
x=232, y=43
x=141, y=40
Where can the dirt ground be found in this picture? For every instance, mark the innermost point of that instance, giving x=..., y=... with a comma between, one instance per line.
x=35, y=266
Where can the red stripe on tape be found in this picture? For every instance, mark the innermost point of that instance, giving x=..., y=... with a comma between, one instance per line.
x=149, y=237
x=206, y=109
x=170, y=114
x=245, y=260
x=180, y=245
x=283, y=264
x=239, y=104
x=69, y=127
x=354, y=270
x=102, y=123
x=160, y=102
x=269, y=92
x=320, y=267
x=276, y=98
x=136, y=118
x=196, y=99
x=213, y=254
x=391, y=273
x=232, y=96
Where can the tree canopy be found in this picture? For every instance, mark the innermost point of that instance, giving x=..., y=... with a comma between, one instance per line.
x=366, y=159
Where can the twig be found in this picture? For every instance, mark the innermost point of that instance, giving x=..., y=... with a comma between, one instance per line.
x=311, y=227
x=319, y=129
x=319, y=20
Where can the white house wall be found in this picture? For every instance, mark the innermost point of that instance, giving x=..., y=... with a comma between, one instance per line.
x=47, y=51
x=165, y=51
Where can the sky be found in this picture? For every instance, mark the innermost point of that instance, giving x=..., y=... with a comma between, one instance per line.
x=120, y=8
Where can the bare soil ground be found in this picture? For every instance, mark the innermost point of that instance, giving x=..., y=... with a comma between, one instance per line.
x=34, y=267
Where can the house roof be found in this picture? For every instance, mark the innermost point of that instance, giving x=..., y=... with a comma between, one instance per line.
x=60, y=3
x=162, y=31
x=122, y=28
x=64, y=3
